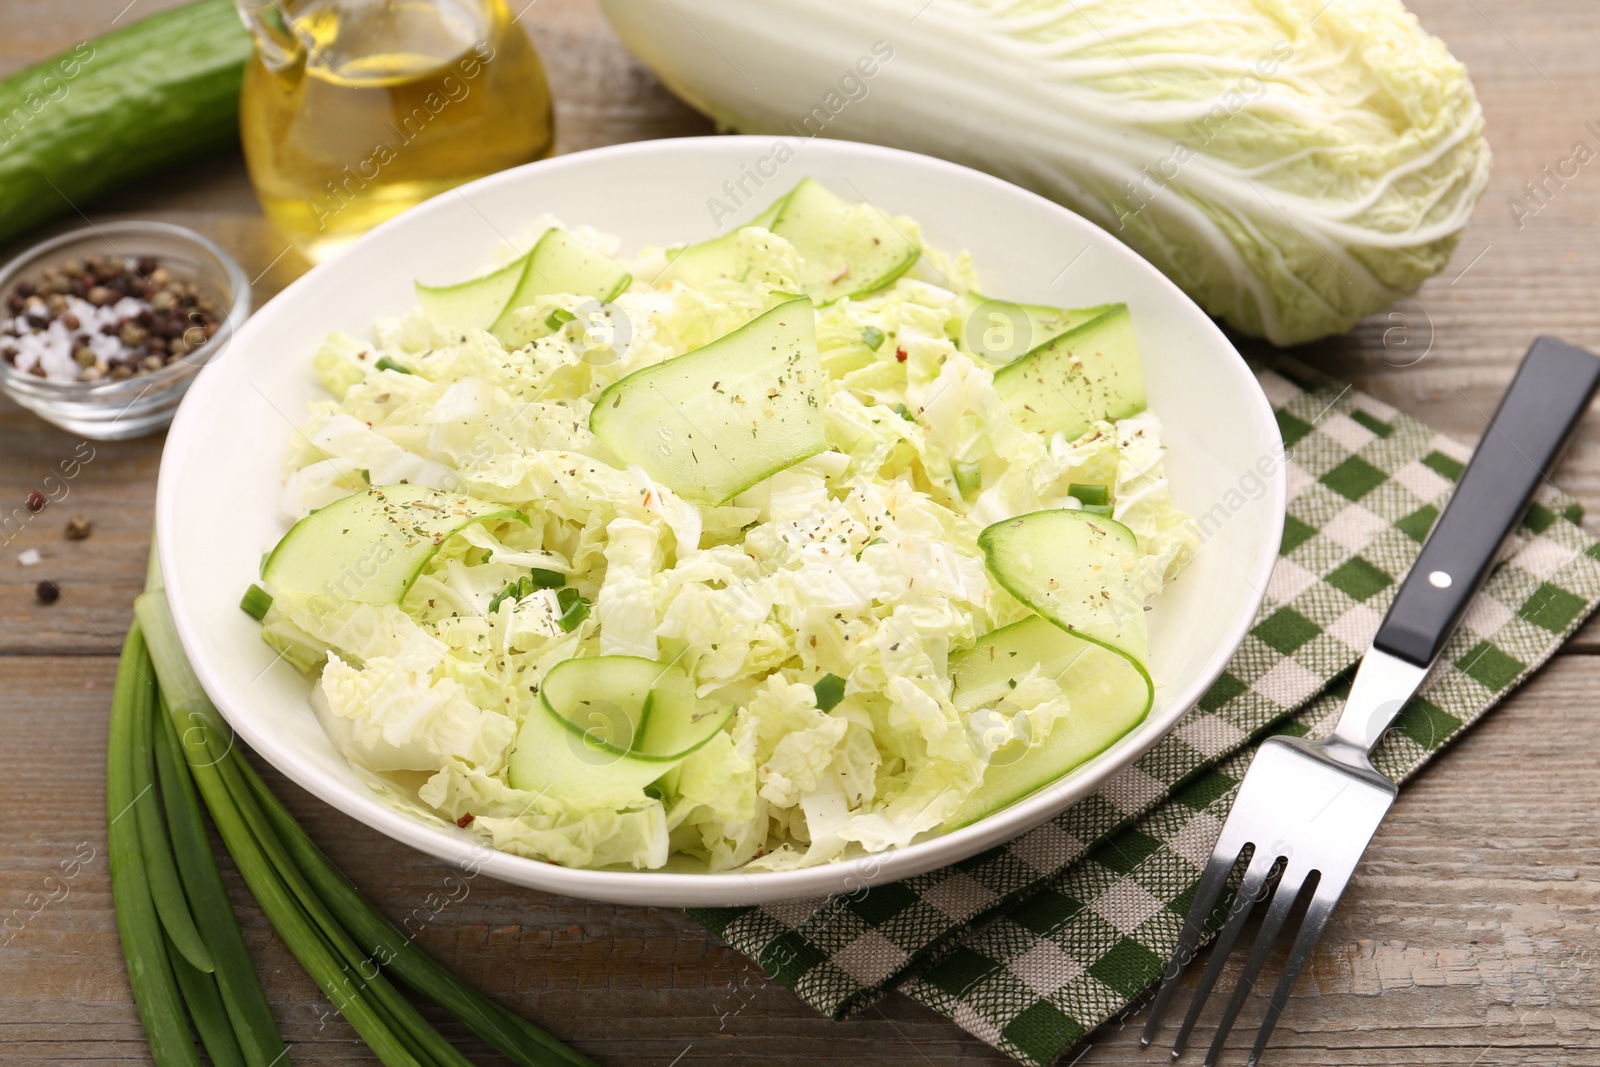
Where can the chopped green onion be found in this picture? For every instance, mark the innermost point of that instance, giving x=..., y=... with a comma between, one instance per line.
x=872, y=337
x=514, y=591
x=543, y=579
x=385, y=363
x=256, y=602
x=1089, y=494
x=968, y=476
x=574, y=609
x=1098, y=509
x=536, y=578
x=830, y=690
x=558, y=318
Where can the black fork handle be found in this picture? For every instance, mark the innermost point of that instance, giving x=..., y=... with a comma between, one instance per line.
x=1523, y=441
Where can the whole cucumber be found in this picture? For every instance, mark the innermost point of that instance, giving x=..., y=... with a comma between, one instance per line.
x=162, y=92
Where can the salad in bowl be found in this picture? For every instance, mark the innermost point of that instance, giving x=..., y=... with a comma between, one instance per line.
x=783, y=547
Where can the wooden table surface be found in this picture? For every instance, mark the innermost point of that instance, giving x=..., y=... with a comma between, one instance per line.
x=1469, y=935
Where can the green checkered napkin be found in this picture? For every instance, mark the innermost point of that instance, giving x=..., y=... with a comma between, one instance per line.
x=1033, y=944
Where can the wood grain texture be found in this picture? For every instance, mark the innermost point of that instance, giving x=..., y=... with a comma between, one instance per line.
x=1471, y=934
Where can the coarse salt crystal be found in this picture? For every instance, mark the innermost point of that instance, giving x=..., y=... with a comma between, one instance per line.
x=126, y=308
x=106, y=346
x=29, y=557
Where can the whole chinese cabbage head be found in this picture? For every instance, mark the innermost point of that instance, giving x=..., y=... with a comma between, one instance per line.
x=1294, y=165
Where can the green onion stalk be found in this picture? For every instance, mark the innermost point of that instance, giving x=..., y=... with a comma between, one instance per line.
x=169, y=752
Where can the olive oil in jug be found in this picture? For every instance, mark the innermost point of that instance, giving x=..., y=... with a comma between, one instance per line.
x=354, y=110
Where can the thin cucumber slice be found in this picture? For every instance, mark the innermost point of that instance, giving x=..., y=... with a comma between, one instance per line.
x=1107, y=700
x=369, y=547
x=699, y=264
x=606, y=725
x=848, y=249
x=769, y=214
x=713, y=422
x=1089, y=634
x=560, y=263
x=557, y=263
x=1088, y=373
x=718, y=258
x=841, y=243
x=1070, y=567
x=1000, y=331
x=473, y=304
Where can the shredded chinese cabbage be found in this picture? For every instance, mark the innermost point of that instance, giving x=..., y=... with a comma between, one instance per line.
x=861, y=562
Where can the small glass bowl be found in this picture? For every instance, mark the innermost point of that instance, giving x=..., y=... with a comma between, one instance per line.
x=110, y=410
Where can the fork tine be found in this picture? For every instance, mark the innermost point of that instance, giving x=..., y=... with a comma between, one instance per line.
x=1282, y=902
x=1321, y=906
x=1250, y=891
x=1212, y=881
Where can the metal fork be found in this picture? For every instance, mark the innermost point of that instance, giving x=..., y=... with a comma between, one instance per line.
x=1308, y=808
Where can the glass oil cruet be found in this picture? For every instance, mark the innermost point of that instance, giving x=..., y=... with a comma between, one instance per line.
x=354, y=110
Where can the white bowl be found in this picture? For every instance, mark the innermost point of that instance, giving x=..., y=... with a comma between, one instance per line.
x=217, y=506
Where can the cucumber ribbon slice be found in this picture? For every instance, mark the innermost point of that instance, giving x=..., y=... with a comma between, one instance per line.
x=371, y=546
x=711, y=423
x=1090, y=372
x=846, y=250
x=1001, y=331
x=557, y=263
x=605, y=725
x=1076, y=571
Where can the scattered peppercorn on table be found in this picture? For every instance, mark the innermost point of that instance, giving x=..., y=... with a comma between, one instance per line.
x=1476, y=913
